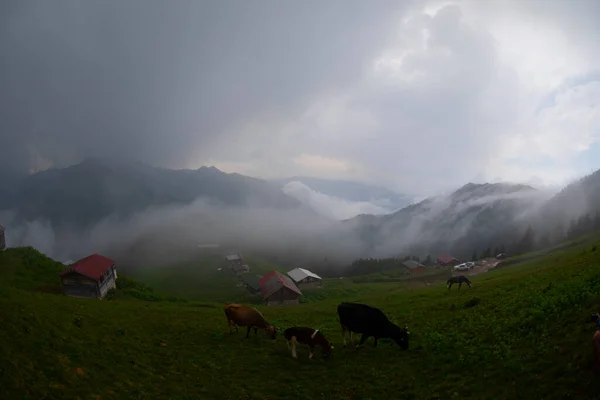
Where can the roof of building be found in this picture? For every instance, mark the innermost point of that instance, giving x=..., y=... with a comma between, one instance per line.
x=233, y=257
x=447, y=258
x=297, y=274
x=412, y=264
x=273, y=281
x=93, y=266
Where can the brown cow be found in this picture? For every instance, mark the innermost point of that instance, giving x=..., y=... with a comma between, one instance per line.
x=309, y=336
x=241, y=315
x=596, y=342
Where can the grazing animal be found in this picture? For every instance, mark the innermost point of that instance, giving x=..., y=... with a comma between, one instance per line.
x=458, y=279
x=596, y=342
x=241, y=315
x=369, y=321
x=309, y=336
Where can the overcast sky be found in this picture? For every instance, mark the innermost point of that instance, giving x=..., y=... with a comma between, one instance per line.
x=420, y=96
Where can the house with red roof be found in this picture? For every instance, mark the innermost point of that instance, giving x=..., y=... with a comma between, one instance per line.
x=447, y=260
x=414, y=267
x=90, y=277
x=278, y=289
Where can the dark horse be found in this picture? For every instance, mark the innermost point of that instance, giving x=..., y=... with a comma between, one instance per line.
x=458, y=279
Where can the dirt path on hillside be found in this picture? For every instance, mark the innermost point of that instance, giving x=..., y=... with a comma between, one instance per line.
x=480, y=267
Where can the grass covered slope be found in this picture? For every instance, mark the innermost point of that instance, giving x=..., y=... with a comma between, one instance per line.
x=513, y=335
x=202, y=280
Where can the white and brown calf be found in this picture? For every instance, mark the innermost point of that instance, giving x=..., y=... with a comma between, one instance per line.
x=308, y=336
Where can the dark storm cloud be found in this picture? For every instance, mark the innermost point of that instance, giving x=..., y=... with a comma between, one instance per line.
x=160, y=81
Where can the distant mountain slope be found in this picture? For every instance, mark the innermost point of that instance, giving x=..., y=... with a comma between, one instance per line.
x=83, y=194
x=154, y=212
x=473, y=217
x=341, y=199
x=578, y=199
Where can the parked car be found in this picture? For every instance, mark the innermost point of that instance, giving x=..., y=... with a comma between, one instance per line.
x=461, y=267
x=470, y=264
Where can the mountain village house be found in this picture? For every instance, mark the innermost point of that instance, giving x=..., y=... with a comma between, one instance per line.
x=447, y=261
x=236, y=264
x=278, y=289
x=414, y=267
x=91, y=277
x=305, y=279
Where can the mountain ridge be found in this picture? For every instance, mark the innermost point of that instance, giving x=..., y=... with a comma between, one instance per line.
x=471, y=218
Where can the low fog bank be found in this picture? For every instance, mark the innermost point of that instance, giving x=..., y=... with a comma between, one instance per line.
x=457, y=224
x=334, y=207
x=169, y=234
x=465, y=221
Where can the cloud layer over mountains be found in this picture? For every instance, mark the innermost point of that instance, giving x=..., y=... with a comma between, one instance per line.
x=421, y=96
x=157, y=216
x=336, y=207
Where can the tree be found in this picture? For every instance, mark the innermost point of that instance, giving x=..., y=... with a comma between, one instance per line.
x=527, y=241
x=428, y=261
x=487, y=253
x=474, y=256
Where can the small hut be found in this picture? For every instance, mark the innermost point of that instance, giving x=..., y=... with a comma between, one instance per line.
x=278, y=289
x=2, y=238
x=447, y=261
x=305, y=279
x=414, y=267
x=91, y=277
x=236, y=264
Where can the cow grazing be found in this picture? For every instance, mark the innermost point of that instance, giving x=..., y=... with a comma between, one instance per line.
x=309, y=336
x=596, y=342
x=241, y=315
x=369, y=321
x=458, y=279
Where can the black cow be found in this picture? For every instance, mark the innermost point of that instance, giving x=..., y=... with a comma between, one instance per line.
x=369, y=321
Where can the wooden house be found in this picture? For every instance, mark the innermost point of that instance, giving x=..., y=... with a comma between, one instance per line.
x=278, y=289
x=237, y=266
x=447, y=261
x=234, y=258
x=2, y=238
x=305, y=279
x=414, y=267
x=91, y=277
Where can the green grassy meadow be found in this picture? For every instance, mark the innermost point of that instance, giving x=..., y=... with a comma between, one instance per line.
x=521, y=332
